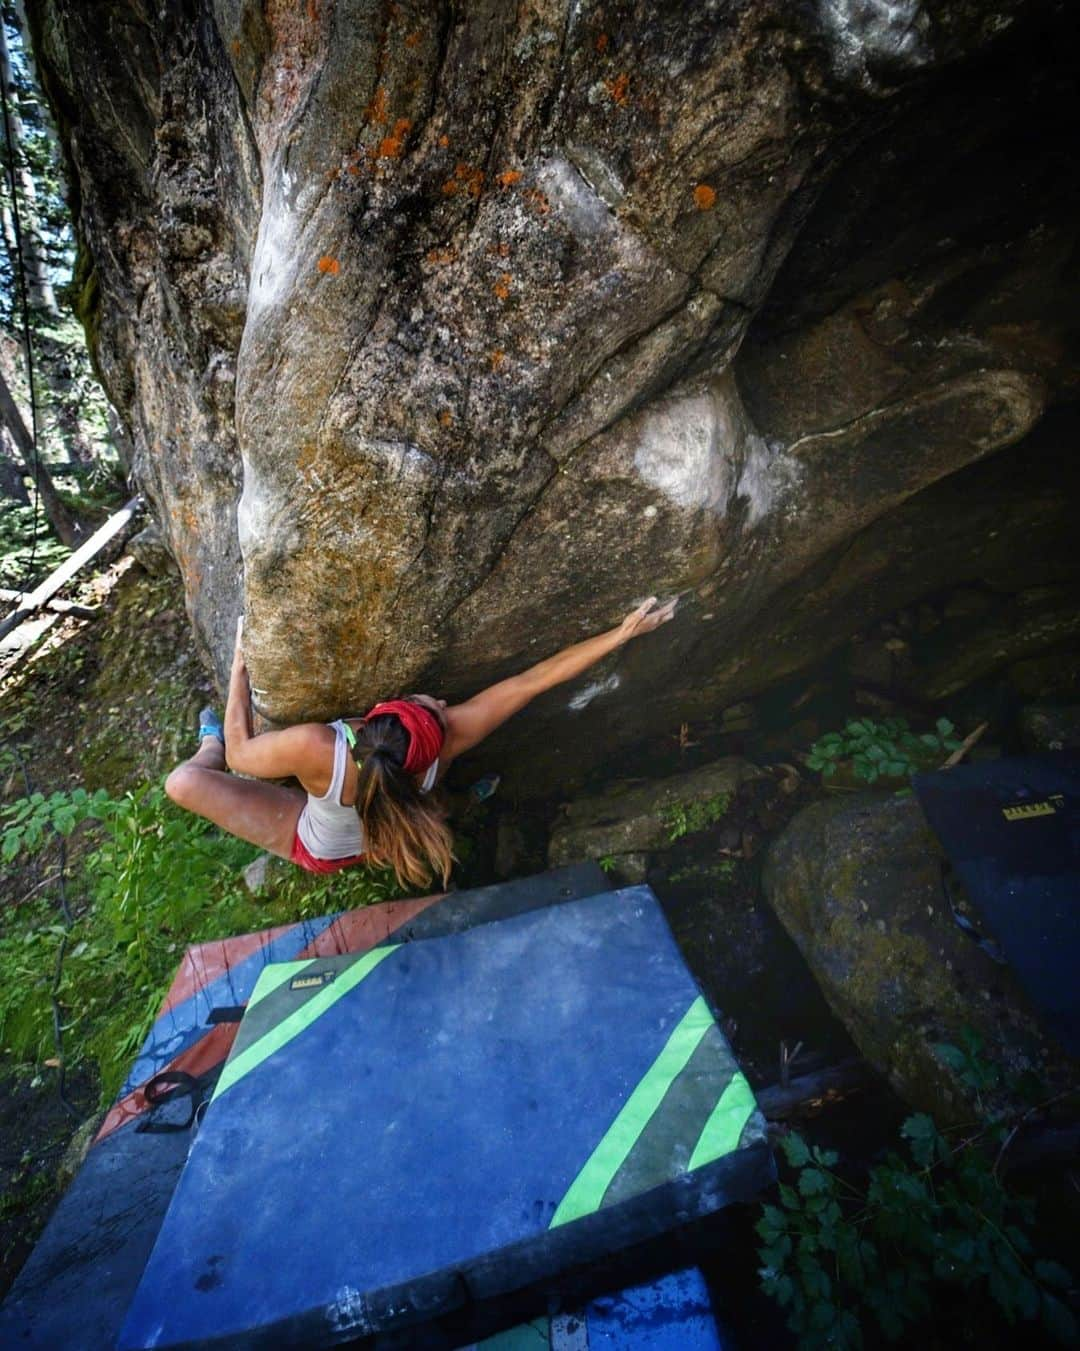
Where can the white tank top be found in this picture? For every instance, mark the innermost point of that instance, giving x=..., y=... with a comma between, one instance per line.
x=326, y=828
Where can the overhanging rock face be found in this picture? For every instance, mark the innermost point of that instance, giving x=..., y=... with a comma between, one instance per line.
x=429, y=321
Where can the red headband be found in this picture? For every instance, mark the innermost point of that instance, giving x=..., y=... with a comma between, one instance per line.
x=424, y=729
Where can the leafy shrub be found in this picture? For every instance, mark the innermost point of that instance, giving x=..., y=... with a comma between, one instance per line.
x=886, y=748
x=29, y=822
x=837, y=1256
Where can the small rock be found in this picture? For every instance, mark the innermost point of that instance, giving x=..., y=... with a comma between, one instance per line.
x=511, y=847
x=639, y=817
x=626, y=870
x=1050, y=727
x=256, y=876
x=150, y=551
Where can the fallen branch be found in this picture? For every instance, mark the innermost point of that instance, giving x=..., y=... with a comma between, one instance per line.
x=830, y=1084
x=64, y=573
x=61, y=607
x=965, y=746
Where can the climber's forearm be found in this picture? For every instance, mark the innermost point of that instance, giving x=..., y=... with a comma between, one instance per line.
x=571, y=661
x=238, y=708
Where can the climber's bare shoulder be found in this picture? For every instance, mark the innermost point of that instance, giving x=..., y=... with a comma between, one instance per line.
x=304, y=752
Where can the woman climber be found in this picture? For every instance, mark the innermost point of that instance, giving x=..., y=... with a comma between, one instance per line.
x=364, y=780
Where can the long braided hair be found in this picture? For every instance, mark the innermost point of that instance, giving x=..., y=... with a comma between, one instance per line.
x=404, y=829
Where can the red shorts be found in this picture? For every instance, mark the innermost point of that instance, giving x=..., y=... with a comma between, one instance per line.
x=305, y=859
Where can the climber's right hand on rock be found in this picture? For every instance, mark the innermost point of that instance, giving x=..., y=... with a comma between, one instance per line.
x=645, y=618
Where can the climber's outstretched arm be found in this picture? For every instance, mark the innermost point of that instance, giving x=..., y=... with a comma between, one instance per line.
x=469, y=723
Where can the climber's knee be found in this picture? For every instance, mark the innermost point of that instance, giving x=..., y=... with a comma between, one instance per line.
x=182, y=786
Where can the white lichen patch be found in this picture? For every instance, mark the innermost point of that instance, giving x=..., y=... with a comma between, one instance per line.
x=584, y=697
x=864, y=31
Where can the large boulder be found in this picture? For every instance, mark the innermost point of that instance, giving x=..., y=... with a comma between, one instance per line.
x=445, y=332
x=857, y=883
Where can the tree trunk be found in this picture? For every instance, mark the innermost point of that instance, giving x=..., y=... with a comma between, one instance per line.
x=39, y=287
x=65, y=526
x=12, y=483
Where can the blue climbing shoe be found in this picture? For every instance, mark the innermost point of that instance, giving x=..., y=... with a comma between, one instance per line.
x=484, y=788
x=210, y=725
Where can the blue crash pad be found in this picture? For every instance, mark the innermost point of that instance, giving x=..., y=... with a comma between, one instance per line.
x=1012, y=831
x=448, y=1119
x=77, y=1284
x=673, y=1313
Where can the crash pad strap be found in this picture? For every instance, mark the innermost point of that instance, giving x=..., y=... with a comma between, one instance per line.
x=587, y=1190
x=290, y=1027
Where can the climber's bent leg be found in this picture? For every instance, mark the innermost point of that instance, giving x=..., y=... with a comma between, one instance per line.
x=261, y=813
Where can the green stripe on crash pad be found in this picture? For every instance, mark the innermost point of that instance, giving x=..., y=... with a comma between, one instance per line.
x=724, y=1128
x=302, y=1017
x=587, y=1189
x=662, y=1150
x=277, y=973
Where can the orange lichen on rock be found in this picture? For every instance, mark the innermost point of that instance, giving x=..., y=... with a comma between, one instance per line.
x=376, y=109
x=498, y=356
x=390, y=147
x=446, y=418
x=704, y=197
x=500, y=250
x=502, y=286
x=618, y=88
x=235, y=47
x=328, y=265
x=444, y=140
x=601, y=43
x=314, y=11
x=413, y=39
x=465, y=179
x=439, y=257
x=537, y=201
x=509, y=178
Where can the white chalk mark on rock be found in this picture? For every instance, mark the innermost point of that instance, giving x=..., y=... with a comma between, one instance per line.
x=584, y=697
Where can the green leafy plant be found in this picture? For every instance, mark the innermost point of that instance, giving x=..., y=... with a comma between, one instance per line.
x=840, y=1257
x=28, y=822
x=888, y=748
x=608, y=863
x=687, y=818
x=156, y=880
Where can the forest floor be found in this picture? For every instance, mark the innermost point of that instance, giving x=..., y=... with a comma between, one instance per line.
x=99, y=703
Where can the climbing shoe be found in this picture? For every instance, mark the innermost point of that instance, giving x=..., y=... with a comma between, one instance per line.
x=210, y=725
x=484, y=788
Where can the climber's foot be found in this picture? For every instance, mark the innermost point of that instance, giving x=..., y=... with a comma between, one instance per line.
x=210, y=725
